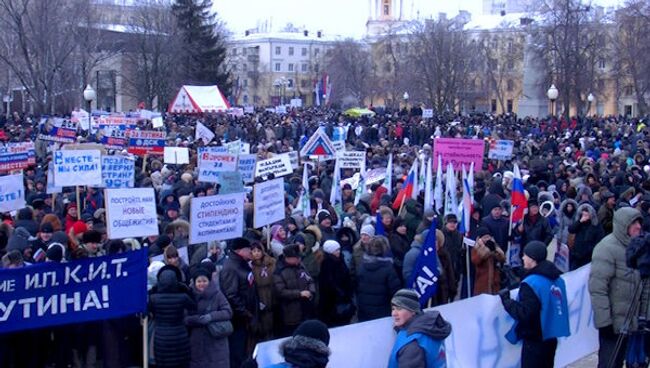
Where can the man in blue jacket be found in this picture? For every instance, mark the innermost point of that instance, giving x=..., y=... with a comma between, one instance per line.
x=541, y=310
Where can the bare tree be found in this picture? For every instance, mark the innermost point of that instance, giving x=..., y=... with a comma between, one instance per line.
x=350, y=70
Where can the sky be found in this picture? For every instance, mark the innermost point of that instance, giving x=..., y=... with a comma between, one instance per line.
x=335, y=17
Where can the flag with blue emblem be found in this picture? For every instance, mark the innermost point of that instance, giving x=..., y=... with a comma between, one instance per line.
x=424, y=279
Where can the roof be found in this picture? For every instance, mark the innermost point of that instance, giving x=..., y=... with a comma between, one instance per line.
x=494, y=21
x=287, y=36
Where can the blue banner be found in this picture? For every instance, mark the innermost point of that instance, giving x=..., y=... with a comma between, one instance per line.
x=424, y=279
x=48, y=294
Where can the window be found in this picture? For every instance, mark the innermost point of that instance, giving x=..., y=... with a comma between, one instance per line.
x=245, y=99
x=277, y=67
x=278, y=50
x=629, y=90
x=234, y=52
x=509, y=105
x=290, y=51
x=316, y=68
x=244, y=67
x=304, y=68
x=601, y=84
x=601, y=63
x=386, y=8
x=289, y=83
x=243, y=51
x=245, y=83
x=510, y=85
x=290, y=67
x=256, y=99
x=316, y=51
x=510, y=46
x=304, y=51
x=387, y=67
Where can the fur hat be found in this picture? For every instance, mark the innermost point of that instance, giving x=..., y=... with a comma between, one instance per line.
x=239, y=243
x=331, y=246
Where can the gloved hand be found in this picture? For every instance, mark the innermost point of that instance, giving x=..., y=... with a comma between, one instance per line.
x=504, y=295
x=205, y=319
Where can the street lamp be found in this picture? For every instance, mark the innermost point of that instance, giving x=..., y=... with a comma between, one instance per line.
x=406, y=99
x=89, y=95
x=590, y=100
x=552, y=94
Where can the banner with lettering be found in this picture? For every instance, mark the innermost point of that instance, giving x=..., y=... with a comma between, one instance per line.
x=131, y=213
x=17, y=156
x=12, y=193
x=118, y=172
x=218, y=217
x=146, y=142
x=77, y=167
x=58, y=130
x=91, y=289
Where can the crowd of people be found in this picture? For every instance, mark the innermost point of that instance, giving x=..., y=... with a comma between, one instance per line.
x=211, y=303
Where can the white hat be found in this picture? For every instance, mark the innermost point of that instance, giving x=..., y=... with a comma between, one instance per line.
x=331, y=246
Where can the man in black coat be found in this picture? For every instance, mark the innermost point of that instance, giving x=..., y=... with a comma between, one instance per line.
x=238, y=285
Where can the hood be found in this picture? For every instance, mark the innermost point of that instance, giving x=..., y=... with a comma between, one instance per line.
x=562, y=213
x=167, y=281
x=546, y=269
x=585, y=190
x=305, y=352
x=412, y=207
x=623, y=218
x=592, y=212
x=380, y=192
x=431, y=324
x=496, y=188
x=25, y=214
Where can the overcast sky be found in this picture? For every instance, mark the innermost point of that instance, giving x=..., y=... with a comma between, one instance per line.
x=340, y=17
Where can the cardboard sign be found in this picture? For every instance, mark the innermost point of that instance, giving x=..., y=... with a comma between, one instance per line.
x=118, y=172
x=427, y=113
x=58, y=130
x=279, y=165
x=295, y=160
x=375, y=176
x=231, y=182
x=233, y=147
x=458, y=152
x=319, y=144
x=268, y=201
x=352, y=160
x=146, y=142
x=176, y=155
x=203, y=133
x=282, y=109
x=12, y=193
x=17, y=156
x=246, y=167
x=219, y=217
x=211, y=164
x=131, y=213
x=157, y=122
x=77, y=167
x=501, y=150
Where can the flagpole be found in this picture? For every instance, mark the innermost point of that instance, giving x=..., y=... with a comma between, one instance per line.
x=467, y=260
x=145, y=340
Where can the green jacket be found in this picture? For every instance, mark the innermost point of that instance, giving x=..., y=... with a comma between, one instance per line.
x=611, y=282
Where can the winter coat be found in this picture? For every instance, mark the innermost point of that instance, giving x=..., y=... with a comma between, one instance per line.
x=303, y=352
x=606, y=218
x=498, y=229
x=447, y=285
x=412, y=218
x=535, y=230
x=611, y=282
x=413, y=355
x=487, y=279
x=399, y=245
x=377, y=281
x=168, y=301
x=25, y=220
x=289, y=281
x=587, y=235
x=238, y=285
x=206, y=351
x=454, y=247
x=263, y=271
x=335, y=287
x=566, y=219
x=410, y=259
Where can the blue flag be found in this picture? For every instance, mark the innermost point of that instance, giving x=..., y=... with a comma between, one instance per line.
x=424, y=279
x=379, y=226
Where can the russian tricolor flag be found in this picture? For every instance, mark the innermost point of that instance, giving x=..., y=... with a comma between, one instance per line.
x=407, y=189
x=518, y=202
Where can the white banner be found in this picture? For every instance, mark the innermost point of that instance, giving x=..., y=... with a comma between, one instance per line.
x=295, y=161
x=477, y=339
x=218, y=217
x=118, y=172
x=247, y=167
x=427, y=113
x=501, y=150
x=352, y=160
x=211, y=164
x=279, y=165
x=268, y=199
x=157, y=122
x=203, y=133
x=131, y=213
x=176, y=155
x=77, y=167
x=12, y=193
x=234, y=147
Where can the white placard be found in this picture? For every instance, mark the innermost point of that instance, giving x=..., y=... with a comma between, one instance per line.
x=245, y=148
x=211, y=164
x=293, y=156
x=282, y=109
x=203, y=133
x=234, y=147
x=77, y=167
x=352, y=160
x=279, y=165
x=339, y=146
x=246, y=166
x=12, y=193
x=427, y=113
x=131, y=213
x=249, y=109
x=219, y=217
x=118, y=172
x=177, y=155
x=501, y=149
x=268, y=201
x=157, y=122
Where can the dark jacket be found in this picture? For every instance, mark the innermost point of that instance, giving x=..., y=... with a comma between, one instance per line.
x=377, y=281
x=454, y=247
x=535, y=230
x=263, y=271
x=206, y=351
x=498, y=229
x=335, y=287
x=168, y=302
x=238, y=285
x=587, y=235
x=431, y=324
x=289, y=281
x=26, y=220
x=447, y=282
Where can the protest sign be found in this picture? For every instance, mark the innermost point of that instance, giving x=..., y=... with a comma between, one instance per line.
x=114, y=136
x=203, y=133
x=458, y=152
x=375, y=176
x=247, y=167
x=176, y=155
x=501, y=150
x=77, y=167
x=131, y=213
x=268, y=201
x=295, y=161
x=211, y=164
x=296, y=102
x=319, y=144
x=279, y=165
x=281, y=109
x=146, y=142
x=249, y=109
x=352, y=160
x=427, y=113
x=353, y=181
x=51, y=188
x=82, y=119
x=219, y=217
x=245, y=148
x=339, y=146
x=157, y=122
x=230, y=182
x=233, y=147
x=58, y=130
x=118, y=172
x=12, y=193
x=91, y=289
x=17, y=156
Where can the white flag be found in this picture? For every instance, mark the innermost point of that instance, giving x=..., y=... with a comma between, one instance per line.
x=203, y=133
x=416, y=182
x=451, y=203
x=437, y=193
x=428, y=187
x=304, y=197
x=388, y=181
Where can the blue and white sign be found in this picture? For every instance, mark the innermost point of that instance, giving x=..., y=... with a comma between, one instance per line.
x=247, y=167
x=131, y=213
x=501, y=150
x=77, y=167
x=218, y=217
x=118, y=172
x=12, y=193
x=49, y=294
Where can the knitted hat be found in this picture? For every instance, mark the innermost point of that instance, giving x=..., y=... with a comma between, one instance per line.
x=55, y=252
x=91, y=236
x=482, y=231
x=163, y=241
x=324, y=215
x=331, y=246
x=291, y=250
x=532, y=202
x=47, y=228
x=239, y=243
x=79, y=227
x=368, y=230
x=314, y=329
x=535, y=250
x=407, y=299
x=201, y=271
